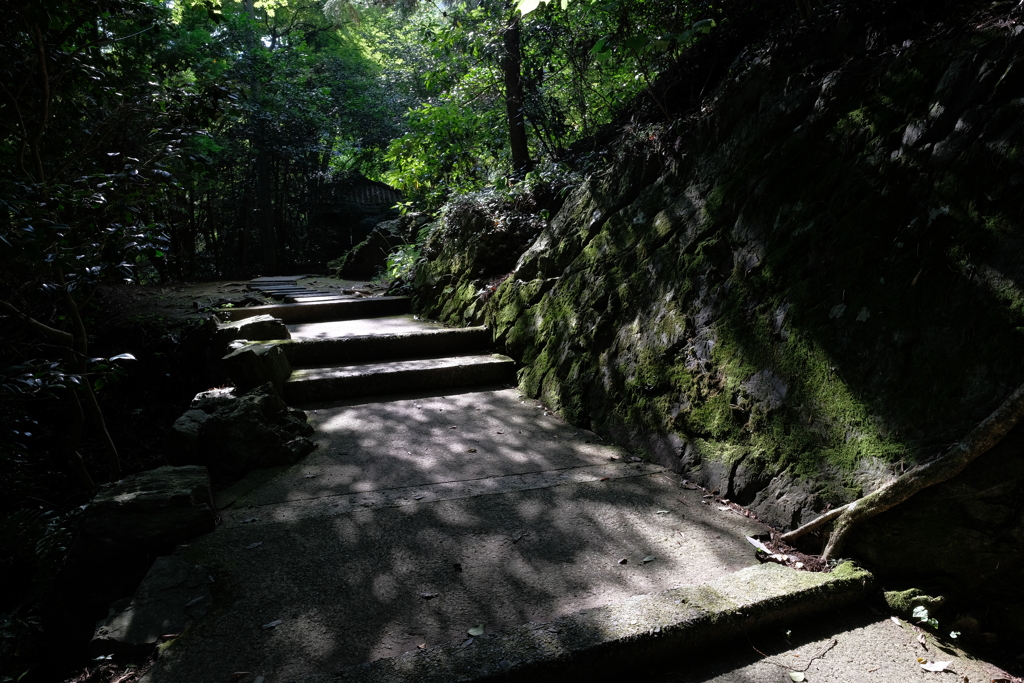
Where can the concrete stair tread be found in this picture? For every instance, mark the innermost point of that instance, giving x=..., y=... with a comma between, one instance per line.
x=365, y=327
x=340, y=309
x=343, y=370
x=501, y=559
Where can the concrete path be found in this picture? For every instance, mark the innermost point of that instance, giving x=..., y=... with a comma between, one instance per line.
x=424, y=514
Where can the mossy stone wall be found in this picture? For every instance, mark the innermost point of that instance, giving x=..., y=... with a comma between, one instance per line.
x=824, y=286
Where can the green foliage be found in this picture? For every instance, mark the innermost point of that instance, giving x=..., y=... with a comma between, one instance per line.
x=581, y=64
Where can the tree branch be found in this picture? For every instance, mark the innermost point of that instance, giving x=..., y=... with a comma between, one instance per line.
x=951, y=463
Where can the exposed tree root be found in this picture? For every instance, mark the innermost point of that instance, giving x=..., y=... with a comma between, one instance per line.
x=951, y=463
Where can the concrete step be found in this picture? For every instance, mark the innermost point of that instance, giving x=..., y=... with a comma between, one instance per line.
x=319, y=311
x=274, y=279
x=335, y=382
x=323, y=296
x=401, y=343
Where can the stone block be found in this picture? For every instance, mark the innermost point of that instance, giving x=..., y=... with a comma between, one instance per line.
x=172, y=596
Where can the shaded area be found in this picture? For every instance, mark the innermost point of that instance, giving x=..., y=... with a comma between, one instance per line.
x=356, y=567
x=845, y=646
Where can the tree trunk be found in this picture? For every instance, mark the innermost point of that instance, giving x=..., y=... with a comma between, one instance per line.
x=511, y=68
x=951, y=463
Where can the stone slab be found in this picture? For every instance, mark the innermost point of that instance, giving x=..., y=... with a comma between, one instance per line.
x=172, y=596
x=377, y=379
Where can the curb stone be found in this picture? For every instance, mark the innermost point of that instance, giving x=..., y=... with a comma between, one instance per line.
x=639, y=632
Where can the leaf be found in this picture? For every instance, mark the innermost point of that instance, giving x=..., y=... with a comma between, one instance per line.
x=527, y=6
x=273, y=624
x=257, y=544
x=797, y=676
x=935, y=666
x=649, y=558
x=476, y=631
x=704, y=26
x=661, y=512
x=428, y=596
x=757, y=544
x=122, y=356
x=920, y=613
x=896, y=620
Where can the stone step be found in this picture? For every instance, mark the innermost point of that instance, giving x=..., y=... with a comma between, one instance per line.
x=402, y=376
x=322, y=296
x=317, y=311
x=402, y=343
x=278, y=278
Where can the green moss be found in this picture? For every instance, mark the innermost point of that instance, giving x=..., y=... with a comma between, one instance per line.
x=904, y=602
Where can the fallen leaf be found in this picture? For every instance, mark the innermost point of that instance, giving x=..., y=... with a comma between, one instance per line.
x=935, y=666
x=758, y=544
x=921, y=639
x=605, y=478
x=428, y=596
x=453, y=427
x=471, y=450
x=649, y=558
x=661, y=512
x=310, y=476
x=273, y=624
x=624, y=561
x=467, y=642
x=417, y=497
x=476, y=630
x=896, y=620
x=797, y=676
x=724, y=507
x=257, y=544
x=422, y=645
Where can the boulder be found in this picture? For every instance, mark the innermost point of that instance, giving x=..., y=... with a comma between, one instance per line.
x=172, y=596
x=234, y=434
x=157, y=509
x=256, y=328
x=249, y=365
x=125, y=526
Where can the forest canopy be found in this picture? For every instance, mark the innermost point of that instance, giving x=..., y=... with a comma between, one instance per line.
x=193, y=138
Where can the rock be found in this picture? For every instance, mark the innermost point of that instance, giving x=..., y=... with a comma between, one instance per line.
x=256, y=328
x=234, y=434
x=250, y=364
x=172, y=596
x=902, y=603
x=155, y=510
x=184, y=435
